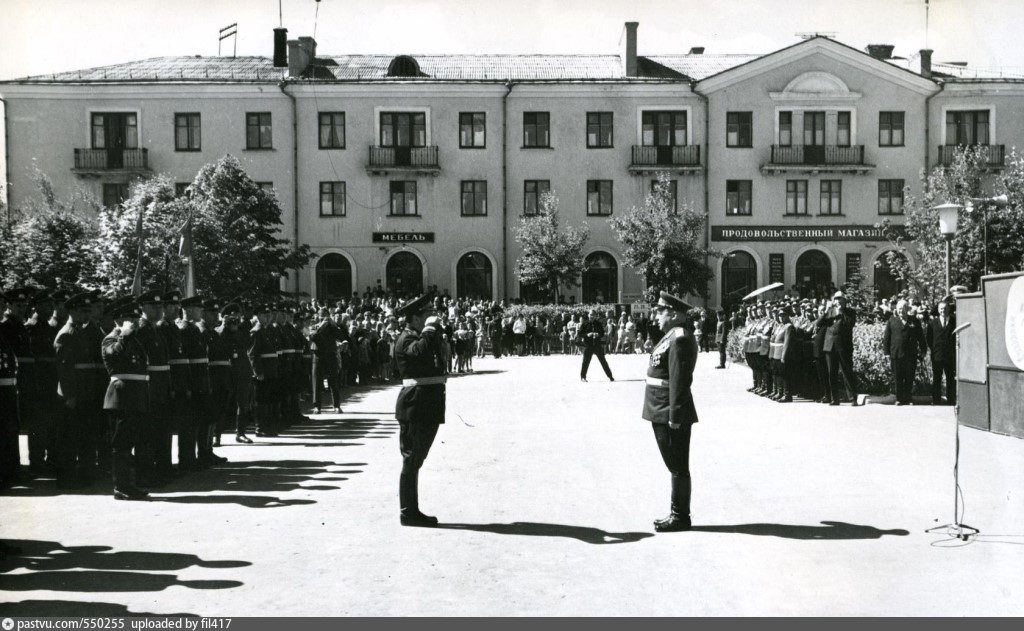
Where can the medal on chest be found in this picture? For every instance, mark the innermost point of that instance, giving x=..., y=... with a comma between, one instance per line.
x=658, y=354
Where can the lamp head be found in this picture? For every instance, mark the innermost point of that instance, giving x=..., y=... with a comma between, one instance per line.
x=948, y=216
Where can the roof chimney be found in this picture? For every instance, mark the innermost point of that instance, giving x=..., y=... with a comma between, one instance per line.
x=697, y=50
x=280, y=47
x=880, y=51
x=301, y=53
x=629, y=68
x=926, y=63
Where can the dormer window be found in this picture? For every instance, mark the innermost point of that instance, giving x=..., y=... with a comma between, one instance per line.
x=404, y=66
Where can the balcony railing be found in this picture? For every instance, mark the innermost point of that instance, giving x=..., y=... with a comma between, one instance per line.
x=994, y=155
x=98, y=160
x=818, y=155
x=407, y=158
x=679, y=156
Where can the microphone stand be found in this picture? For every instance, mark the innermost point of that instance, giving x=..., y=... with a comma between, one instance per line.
x=957, y=529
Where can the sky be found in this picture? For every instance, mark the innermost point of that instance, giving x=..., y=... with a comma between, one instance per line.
x=44, y=36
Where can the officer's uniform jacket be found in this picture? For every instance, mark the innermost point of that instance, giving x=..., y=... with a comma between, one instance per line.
x=18, y=338
x=8, y=370
x=219, y=353
x=422, y=399
x=764, y=332
x=193, y=345
x=159, y=371
x=125, y=360
x=262, y=353
x=241, y=368
x=592, y=326
x=96, y=377
x=41, y=336
x=324, y=342
x=667, y=396
x=176, y=358
x=778, y=339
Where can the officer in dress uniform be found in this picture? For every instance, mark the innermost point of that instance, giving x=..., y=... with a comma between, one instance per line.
x=127, y=396
x=12, y=327
x=75, y=386
x=193, y=345
x=175, y=415
x=668, y=403
x=420, y=405
x=219, y=353
x=99, y=324
x=10, y=457
x=263, y=357
x=42, y=438
x=236, y=337
x=153, y=453
x=324, y=343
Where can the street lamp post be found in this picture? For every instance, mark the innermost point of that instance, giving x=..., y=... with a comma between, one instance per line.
x=948, y=217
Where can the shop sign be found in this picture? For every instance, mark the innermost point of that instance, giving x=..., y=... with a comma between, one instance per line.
x=403, y=237
x=801, y=233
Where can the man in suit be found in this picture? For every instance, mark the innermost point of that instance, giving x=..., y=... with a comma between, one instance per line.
x=903, y=342
x=722, y=330
x=668, y=403
x=942, y=344
x=421, y=403
x=593, y=338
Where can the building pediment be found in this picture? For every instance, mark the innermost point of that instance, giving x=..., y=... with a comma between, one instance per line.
x=815, y=86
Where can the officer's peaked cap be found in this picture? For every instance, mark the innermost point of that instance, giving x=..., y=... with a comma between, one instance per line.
x=80, y=300
x=172, y=296
x=666, y=299
x=152, y=297
x=193, y=301
x=120, y=307
x=19, y=294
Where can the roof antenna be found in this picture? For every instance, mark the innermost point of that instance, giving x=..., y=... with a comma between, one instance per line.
x=231, y=30
x=280, y=15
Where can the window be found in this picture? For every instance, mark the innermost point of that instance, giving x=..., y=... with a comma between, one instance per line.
x=536, y=129
x=831, y=197
x=967, y=128
x=332, y=130
x=332, y=199
x=403, y=198
x=663, y=129
x=796, y=197
x=599, y=197
x=187, y=132
x=533, y=191
x=785, y=129
x=668, y=188
x=403, y=129
x=890, y=129
x=739, y=128
x=474, y=198
x=258, y=131
x=115, y=130
x=890, y=197
x=843, y=129
x=180, y=188
x=814, y=128
x=852, y=266
x=599, y=130
x=472, y=130
x=114, y=193
x=738, y=197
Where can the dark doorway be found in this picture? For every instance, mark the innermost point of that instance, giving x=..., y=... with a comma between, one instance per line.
x=814, y=274
x=474, y=277
x=739, y=276
x=405, y=274
x=886, y=283
x=333, y=278
x=601, y=279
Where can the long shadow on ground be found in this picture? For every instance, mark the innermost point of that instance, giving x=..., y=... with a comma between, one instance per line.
x=585, y=534
x=830, y=530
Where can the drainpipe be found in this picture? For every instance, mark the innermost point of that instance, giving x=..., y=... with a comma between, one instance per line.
x=504, y=189
x=927, y=129
x=7, y=165
x=706, y=160
x=295, y=172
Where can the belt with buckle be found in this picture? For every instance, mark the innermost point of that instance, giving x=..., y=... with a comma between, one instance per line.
x=424, y=381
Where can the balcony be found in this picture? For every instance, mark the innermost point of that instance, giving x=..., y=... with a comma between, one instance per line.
x=994, y=155
x=817, y=159
x=96, y=162
x=680, y=159
x=420, y=160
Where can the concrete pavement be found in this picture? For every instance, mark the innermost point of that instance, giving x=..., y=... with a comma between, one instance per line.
x=546, y=488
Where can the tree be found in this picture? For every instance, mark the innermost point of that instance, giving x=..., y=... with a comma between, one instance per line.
x=235, y=228
x=966, y=177
x=49, y=242
x=665, y=246
x=551, y=257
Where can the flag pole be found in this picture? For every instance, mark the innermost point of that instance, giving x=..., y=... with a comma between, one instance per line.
x=137, y=279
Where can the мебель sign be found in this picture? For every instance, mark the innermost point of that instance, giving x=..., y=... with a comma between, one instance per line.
x=403, y=237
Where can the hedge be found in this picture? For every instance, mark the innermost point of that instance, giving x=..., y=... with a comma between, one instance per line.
x=870, y=364
x=549, y=310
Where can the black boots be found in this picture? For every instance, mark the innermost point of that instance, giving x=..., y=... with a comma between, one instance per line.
x=679, y=518
x=408, y=499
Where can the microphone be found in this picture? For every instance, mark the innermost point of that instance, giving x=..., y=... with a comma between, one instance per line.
x=963, y=326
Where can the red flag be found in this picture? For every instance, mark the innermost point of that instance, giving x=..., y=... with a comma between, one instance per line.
x=185, y=252
x=137, y=281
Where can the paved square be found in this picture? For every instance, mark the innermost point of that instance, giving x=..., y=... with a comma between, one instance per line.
x=546, y=488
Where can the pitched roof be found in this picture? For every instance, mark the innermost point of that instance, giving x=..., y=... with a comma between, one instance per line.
x=701, y=66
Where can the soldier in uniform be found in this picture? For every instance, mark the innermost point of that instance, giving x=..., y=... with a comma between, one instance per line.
x=99, y=428
x=668, y=403
x=10, y=457
x=193, y=345
x=236, y=337
x=45, y=408
x=12, y=327
x=174, y=416
x=76, y=453
x=127, y=396
x=592, y=335
x=263, y=357
x=324, y=343
x=221, y=382
x=152, y=452
x=420, y=405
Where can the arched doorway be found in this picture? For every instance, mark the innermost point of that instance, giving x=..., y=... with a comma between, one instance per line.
x=739, y=276
x=886, y=283
x=814, y=274
x=474, y=277
x=405, y=274
x=601, y=278
x=333, y=278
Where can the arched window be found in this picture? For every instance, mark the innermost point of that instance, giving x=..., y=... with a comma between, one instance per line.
x=739, y=276
x=601, y=278
x=886, y=283
x=814, y=274
x=474, y=277
x=333, y=278
x=405, y=274
x=404, y=66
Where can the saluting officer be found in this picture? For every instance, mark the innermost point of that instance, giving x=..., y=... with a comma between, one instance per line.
x=175, y=416
x=668, y=403
x=236, y=337
x=219, y=353
x=420, y=405
x=127, y=396
x=10, y=457
x=263, y=357
x=12, y=326
x=324, y=343
x=194, y=347
x=42, y=438
x=76, y=451
x=153, y=452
